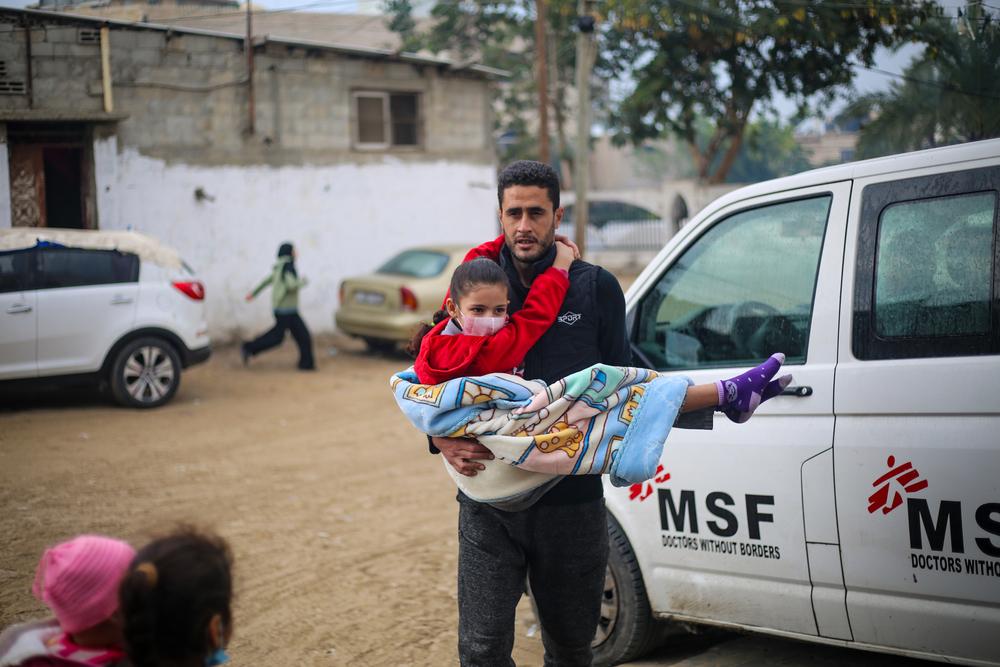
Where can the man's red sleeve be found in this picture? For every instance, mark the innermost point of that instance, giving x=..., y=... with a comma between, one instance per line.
x=506, y=348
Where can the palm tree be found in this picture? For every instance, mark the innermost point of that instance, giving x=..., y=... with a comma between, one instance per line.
x=949, y=94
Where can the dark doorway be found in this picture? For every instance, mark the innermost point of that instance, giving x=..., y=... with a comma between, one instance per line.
x=63, y=187
x=51, y=175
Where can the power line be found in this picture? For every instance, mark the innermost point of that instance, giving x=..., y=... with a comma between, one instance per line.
x=934, y=84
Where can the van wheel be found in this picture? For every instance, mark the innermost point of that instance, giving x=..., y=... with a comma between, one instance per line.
x=627, y=629
x=145, y=373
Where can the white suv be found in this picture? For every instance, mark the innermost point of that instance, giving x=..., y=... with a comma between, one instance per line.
x=117, y=307
x=861, y=508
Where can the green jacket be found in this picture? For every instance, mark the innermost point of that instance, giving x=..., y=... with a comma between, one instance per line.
x=284, y=287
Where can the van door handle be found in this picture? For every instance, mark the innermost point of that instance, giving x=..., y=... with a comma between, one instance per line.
x=121, y=300
x=19, y=308
x=801, y=391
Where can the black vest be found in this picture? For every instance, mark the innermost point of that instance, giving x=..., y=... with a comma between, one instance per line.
x=571, y=343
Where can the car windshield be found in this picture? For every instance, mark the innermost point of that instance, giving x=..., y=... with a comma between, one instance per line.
x=415, y=264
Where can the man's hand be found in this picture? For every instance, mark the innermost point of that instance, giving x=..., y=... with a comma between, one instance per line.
x=248, y=297
x=463, y=454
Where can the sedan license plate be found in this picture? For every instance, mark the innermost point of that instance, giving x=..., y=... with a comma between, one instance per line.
x=369, y=298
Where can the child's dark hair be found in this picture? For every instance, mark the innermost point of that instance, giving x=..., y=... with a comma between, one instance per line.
x=476, y=272
x=172, y=590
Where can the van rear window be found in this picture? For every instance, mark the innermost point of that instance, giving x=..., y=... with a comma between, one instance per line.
x=926, y=282
x=933, y=271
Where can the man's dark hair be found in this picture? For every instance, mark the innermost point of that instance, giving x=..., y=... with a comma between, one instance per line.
x=529, y=172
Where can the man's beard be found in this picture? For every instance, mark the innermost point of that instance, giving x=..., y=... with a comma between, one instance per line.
x=536, y=252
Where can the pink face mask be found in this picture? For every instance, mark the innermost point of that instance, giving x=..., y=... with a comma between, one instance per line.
x=482, y=326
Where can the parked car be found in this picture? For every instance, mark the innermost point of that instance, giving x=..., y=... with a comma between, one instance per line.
x=118, y=308
x=862, y=507
x=385, y=307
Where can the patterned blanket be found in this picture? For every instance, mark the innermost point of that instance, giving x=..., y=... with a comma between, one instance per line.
x=601, y=420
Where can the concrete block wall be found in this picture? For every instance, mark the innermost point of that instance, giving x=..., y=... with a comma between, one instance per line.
x=186, y=98
x=297, y=178
x=62, y=69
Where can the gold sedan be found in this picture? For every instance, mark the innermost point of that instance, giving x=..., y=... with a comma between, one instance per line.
x=385, y=307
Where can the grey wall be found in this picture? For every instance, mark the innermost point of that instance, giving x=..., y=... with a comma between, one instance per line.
x=187, y=102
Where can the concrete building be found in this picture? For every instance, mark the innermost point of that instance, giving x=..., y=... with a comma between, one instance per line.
x=361, y=30
x=826, y=142
x=351, y=153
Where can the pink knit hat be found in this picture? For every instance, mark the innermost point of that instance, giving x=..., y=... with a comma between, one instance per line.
x=78, y=580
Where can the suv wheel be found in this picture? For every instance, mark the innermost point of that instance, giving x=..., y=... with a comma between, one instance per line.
x=627, y=628
x=145, y=373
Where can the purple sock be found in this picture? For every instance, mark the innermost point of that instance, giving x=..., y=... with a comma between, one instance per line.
x=741, y=395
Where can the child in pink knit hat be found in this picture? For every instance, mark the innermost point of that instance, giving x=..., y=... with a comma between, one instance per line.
x=78, y=580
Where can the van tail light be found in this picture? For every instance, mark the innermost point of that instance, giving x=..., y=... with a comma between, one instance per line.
x=191, y=288
x=407, y=298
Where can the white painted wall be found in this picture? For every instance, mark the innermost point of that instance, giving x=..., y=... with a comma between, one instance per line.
x=106, y=181
x=344, y=220
x=5, y=212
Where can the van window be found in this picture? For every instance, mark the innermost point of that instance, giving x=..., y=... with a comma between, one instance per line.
x=75, y=267
x=15, y=270
x=740, y=292
x=926, y=282
x=933, y=269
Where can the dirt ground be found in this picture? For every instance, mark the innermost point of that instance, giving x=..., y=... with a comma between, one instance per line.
x=343, y=527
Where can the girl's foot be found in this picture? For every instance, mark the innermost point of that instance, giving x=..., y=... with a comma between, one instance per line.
x=741, y=395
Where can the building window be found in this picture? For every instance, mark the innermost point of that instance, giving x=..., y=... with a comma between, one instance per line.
x=386, y=120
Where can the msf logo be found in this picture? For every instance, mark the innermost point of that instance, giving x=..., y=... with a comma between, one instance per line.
x=889, y=488
x=941, y=530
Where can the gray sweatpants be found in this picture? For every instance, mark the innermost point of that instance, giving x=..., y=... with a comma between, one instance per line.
x=563, y=549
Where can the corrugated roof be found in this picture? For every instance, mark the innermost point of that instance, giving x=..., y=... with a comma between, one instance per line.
x=229, y=26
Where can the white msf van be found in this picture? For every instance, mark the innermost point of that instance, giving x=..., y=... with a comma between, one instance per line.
x=861, y=508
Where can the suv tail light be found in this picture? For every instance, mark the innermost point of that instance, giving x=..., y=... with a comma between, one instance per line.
x=191, y=288
x=407, y=298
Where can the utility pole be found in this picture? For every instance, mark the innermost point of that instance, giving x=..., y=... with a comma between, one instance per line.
x=581, y=162
x=542, y=77
x=250, y=101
